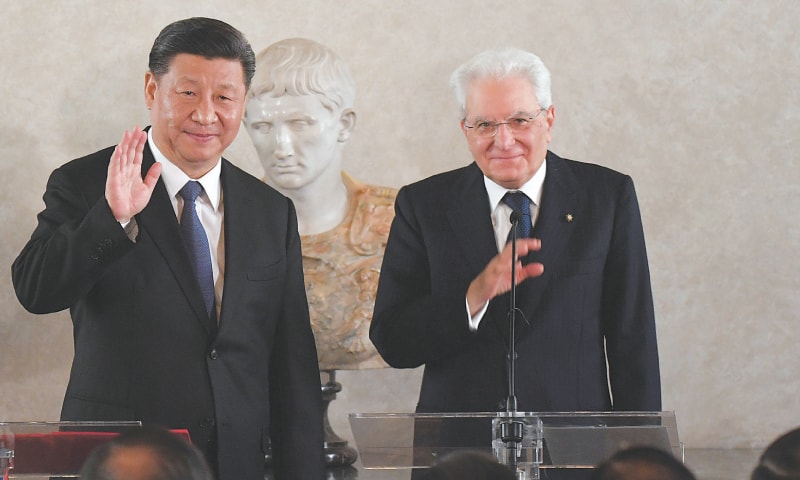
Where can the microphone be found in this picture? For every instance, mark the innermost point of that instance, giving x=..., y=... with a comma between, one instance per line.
x=511, y=403
x=511, y=431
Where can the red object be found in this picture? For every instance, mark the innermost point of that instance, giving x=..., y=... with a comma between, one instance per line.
x=60, y=452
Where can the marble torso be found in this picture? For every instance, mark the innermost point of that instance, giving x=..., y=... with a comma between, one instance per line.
x=341, y=268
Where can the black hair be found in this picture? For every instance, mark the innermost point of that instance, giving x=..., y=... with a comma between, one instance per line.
x=202, y=36
x=469, y=465
x=781, y=459
x=640, y=463
x=174, y=458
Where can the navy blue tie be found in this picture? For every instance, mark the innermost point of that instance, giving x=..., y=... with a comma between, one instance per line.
x=196, y=241
x=520, y=203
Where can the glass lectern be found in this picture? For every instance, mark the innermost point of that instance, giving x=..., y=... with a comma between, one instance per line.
x=548, y=441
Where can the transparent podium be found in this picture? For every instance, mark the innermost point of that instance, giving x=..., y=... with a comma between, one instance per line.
x=543, y=443
x=33, y=450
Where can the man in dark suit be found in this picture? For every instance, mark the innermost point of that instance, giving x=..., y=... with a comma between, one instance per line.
x=210, y=334
x=585, y=320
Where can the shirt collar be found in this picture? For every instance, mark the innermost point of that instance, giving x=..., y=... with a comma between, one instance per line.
x=174, y=178
x=532, y=188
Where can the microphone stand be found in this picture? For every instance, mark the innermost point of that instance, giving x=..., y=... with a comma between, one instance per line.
x=511, y=431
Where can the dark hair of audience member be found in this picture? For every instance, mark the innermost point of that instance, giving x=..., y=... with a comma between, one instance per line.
x=469, y=465
x=146, y=453
x=642, y=463
x=781, y=459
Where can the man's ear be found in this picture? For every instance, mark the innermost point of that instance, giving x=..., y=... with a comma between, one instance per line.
x=347, y=122
x=150, y=86
x=551, y=120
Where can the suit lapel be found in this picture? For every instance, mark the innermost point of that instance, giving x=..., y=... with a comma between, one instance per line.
x=237, y=214
x=560, y=198
x=469, y=216
x=158, y=221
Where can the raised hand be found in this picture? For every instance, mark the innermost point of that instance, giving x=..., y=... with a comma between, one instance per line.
x=495, y=279
x=126, y=192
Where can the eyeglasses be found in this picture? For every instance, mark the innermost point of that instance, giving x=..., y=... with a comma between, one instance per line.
x=487, y=129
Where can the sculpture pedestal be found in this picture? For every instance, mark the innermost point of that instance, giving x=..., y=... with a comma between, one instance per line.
x=339, y=456
x=337, y=452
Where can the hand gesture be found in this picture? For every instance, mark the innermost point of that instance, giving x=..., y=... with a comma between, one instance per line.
x=495, y=279
x=126, y=193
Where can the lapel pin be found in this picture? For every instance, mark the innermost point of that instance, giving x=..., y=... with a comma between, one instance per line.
x=569, y=218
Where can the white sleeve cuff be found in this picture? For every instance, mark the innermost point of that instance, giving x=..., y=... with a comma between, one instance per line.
x=476, y=320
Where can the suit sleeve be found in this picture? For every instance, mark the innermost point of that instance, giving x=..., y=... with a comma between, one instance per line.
x=75, y=240
x=420, y=312
x=296, y=414
x=627, y=312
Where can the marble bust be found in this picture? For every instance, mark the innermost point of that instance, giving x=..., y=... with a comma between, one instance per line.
x=299, y=116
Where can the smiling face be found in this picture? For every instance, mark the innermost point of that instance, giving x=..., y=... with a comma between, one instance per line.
x=510, y=158
x=195, y=110
x=298, y=139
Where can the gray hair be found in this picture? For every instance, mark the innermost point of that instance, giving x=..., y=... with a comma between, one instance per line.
x=502, y=63
x=299, y=66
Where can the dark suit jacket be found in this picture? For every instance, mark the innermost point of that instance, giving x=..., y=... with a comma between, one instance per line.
x=144, y=347
x=592, y=303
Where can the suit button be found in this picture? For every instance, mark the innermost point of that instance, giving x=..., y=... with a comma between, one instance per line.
x=213, y=355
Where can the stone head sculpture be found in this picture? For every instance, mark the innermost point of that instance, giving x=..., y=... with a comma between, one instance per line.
x=299, y=116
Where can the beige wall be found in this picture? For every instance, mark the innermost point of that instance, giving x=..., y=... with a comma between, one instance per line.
x=698, y=101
